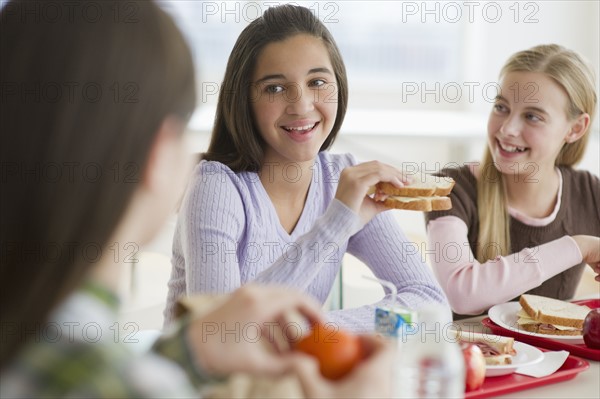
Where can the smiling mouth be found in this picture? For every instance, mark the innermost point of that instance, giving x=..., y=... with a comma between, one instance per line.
x=300, y=129
x=511, y=149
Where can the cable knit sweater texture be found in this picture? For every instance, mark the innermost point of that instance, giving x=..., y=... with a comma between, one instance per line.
x=228, y=234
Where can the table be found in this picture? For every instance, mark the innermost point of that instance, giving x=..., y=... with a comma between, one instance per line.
x=584, y=385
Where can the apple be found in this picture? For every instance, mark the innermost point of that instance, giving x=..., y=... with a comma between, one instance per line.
x=591, y=329
x=474, y=366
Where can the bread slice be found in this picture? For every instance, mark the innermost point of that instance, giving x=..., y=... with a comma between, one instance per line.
x=554, y=311
x=423, y=185
x=423, y=204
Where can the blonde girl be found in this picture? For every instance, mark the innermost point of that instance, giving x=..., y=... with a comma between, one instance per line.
x=524, y=220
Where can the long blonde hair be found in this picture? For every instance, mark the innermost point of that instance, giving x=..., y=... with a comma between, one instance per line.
x=575, y=76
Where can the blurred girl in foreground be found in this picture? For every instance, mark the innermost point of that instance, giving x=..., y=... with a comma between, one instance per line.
x=111, y=165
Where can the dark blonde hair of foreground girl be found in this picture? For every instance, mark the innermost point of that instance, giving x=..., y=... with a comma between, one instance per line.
x=573, y=74
x=84, y=149
x=236, y=142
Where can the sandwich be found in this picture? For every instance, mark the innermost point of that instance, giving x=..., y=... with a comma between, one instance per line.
x=496, y=350
x=551, y=316
x=426, y=193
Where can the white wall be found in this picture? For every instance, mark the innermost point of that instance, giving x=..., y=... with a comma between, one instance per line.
x=573, y=24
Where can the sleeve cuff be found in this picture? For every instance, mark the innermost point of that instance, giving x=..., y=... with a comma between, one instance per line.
x=175, y=347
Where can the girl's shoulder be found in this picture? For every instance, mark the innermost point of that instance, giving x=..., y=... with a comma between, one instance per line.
x=209, y=172
x=212, y=179
x=581, y=183
x=209, y=168
x=579, y=175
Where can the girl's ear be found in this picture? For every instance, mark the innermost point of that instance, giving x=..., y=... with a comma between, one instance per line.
x=578, y=128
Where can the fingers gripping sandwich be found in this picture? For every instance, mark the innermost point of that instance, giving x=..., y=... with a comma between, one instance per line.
x=551, y=316
x=426, y=193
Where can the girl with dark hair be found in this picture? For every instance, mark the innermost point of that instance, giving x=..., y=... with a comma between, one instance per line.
x=268, y=203
x=93, y=159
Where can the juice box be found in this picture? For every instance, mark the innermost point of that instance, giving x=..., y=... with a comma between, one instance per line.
x=391, y=321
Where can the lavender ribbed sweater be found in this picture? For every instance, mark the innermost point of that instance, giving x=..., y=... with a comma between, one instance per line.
x=228, y=233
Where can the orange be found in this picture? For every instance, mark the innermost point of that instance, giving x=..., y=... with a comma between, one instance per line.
x=337, y=351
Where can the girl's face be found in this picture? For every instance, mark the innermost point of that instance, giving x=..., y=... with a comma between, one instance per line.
x=528, y=124
x=294, y=98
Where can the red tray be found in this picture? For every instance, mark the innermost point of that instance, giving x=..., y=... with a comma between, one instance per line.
x=494, y=386
x=548, y=343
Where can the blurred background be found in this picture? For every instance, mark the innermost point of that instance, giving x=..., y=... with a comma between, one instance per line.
x=422, y=77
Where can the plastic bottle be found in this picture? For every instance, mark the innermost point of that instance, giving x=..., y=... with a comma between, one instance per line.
x=429, y=363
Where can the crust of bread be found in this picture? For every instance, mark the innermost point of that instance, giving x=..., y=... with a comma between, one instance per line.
x=445, y=190
x=416, y=204
x=540, y=316
x=441, y=203
x=535, y=328
x=423, y=204
x=528, y=309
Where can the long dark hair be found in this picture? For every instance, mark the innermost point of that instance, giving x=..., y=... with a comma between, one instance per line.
x=83, y=97
x=235, y=140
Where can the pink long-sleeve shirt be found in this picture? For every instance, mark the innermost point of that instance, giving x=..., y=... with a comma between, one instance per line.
x=473, y=287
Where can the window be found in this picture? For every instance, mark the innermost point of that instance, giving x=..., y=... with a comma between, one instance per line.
x=404, y=55
x=385, y=44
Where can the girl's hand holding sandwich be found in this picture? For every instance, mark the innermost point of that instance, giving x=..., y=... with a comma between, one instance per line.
x=355, y=182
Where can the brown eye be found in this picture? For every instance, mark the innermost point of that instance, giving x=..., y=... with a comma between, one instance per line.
x=274, y=89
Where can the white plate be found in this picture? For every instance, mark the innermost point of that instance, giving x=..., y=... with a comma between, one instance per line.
x=526, y=356
x=505, y=315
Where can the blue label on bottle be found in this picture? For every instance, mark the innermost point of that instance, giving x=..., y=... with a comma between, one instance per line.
x=390, y=322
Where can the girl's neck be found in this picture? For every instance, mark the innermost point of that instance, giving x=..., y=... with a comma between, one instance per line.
x=534, y=195
x=287, y=186
x=289, y=180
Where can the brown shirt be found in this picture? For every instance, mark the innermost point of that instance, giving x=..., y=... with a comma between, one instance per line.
x=579, y=213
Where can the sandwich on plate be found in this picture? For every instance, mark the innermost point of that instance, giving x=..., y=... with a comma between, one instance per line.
x=496, y=350
x=551, y=316
x=426, y=193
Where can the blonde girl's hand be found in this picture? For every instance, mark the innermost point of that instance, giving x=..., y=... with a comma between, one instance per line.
x=355, y=182
x=240, y=335
x=590, y=250
x=372, y=378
